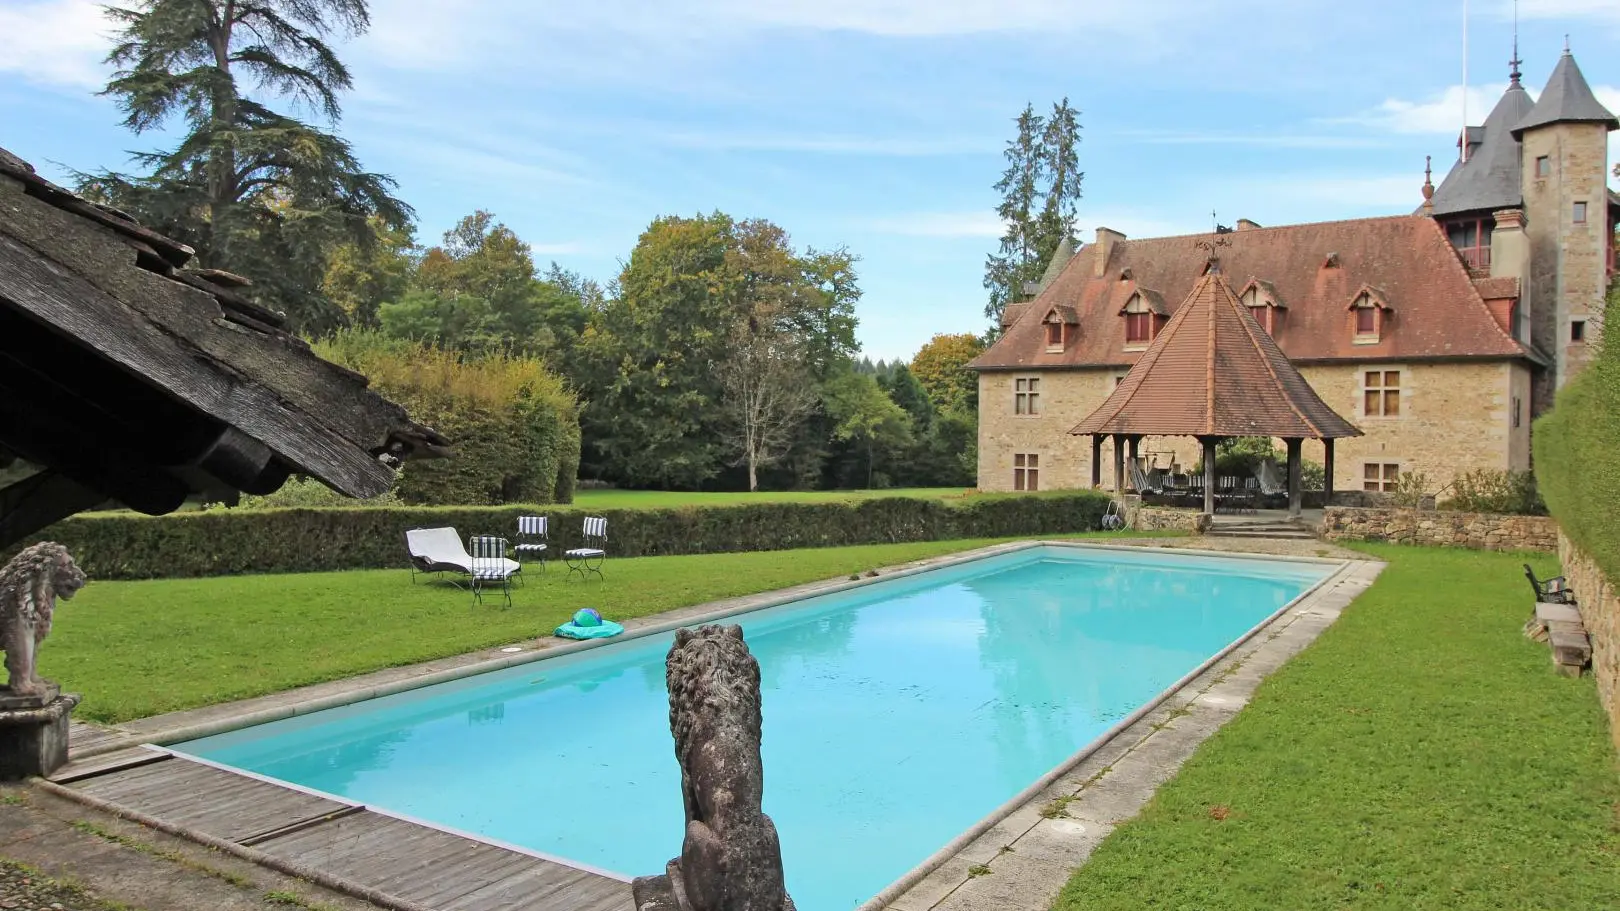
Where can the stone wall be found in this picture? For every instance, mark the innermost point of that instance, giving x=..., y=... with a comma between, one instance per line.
x=1600, y=614
x=1160, y=518
x=1480, y=531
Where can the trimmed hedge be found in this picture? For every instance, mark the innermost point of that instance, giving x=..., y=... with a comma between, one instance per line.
x=228, y=542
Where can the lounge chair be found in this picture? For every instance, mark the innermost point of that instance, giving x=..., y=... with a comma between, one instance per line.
x=491, y=567
x=531, y=539
x=1272, y=481
x=439, y=550
x=1552, y=591
x=1140, y=481
x=589, y=558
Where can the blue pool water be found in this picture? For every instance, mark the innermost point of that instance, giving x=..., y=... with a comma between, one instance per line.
x=896, y=715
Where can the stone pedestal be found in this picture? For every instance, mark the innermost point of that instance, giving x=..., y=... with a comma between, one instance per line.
x=34, y=732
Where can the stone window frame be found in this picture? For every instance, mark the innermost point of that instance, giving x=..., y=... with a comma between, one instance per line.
x=1543, y=166
x=1381, y=479
x=1368, y=300
x=1518, y=412
x=1577, y=331
x=1027, y=396
x=1579, y=213
x=1027, y=472
x=1139, y=314
x=1394, y=399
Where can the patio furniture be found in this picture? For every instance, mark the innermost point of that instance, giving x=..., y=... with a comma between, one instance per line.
x=531, y=539
x=1141, y=481
x=1270, y=478
x=439, y=550
x=589, y=558
x=1551, y=591
x=490, y=566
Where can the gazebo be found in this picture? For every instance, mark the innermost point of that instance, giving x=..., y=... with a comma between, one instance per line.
x=1213, y=373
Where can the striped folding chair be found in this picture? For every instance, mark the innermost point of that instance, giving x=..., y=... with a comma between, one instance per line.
x=531, y=539
x=490, y=567
x=588, y=558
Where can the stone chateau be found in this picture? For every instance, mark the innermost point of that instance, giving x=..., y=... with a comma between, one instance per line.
x=1440, y=334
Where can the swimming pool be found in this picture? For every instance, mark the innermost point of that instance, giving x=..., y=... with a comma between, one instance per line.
x=897, y=715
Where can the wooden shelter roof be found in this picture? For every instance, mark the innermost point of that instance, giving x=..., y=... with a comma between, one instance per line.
x=1212, y=371
x=129, y=377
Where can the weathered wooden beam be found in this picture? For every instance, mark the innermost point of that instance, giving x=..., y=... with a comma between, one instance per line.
x=39, y=501
x=221, y=387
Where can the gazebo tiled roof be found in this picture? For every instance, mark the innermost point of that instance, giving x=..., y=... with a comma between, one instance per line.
x=1213, y=372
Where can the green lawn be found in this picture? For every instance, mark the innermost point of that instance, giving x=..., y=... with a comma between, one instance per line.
x=141, y=648
x=1421, y=755
x=667, y=499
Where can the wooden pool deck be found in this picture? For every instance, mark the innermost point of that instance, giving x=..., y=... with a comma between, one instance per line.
x=396, y=861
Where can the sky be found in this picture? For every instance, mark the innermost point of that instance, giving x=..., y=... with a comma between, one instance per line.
x=876, y=125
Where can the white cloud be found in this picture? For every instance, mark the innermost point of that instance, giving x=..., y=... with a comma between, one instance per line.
x=1440, y=113
x=827, y=145
x=939, y=224
x=1564, y=9
x=55, y=42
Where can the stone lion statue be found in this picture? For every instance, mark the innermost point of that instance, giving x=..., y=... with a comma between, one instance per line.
x=731, y=859
x=29, y=587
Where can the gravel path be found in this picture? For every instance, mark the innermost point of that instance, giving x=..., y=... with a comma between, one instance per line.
x=23, y=888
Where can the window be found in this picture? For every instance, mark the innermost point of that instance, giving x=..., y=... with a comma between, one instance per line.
x=1381, y=397
x=1366, y=321
x=1026, y=471
x=1027, y=395
x=1543, y=166
x=1580, y=213
x=1054, y=335
x=1577, y=330
x=1138, y=328
x=1518, y=411
x=1472, y=238
x=1380, y=476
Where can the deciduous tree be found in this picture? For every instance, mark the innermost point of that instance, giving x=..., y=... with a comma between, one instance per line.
x=941, y=367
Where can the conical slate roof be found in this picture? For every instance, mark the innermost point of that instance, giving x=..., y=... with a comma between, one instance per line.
x=1489, y=179
x=1060, y=258
x=1213, y=371
x=1566, y=99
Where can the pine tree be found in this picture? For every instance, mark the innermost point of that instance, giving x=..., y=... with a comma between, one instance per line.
x=1062, y=191
x=1006, y=271
x=254, y=191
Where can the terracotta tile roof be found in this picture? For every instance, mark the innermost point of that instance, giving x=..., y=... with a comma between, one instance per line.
x=1212, y=371
x=1317, y=269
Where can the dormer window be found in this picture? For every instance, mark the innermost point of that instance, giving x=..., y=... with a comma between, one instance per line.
x=1062, y=326
x=1261, y=299
x=1142, y=312
x=1368, y=310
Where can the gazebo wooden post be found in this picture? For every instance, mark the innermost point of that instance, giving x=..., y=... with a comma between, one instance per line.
x=1096, y=461
x=1209, y=474
x=1119, y=464
x=1327, y=471
x=1136, y=441
x=1295, y=444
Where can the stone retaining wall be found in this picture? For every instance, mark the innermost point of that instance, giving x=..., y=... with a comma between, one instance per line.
x=1600, y=614
x=1481, y=531
x=1160, y=518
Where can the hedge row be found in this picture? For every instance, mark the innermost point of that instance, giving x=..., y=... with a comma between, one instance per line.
x=1577, y=463
x=227, y=542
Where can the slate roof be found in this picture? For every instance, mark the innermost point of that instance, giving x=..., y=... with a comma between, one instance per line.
x=1566, y=99
x=1212, y=371
x=186, y=382
x=1490, y=179
x=1438, y=312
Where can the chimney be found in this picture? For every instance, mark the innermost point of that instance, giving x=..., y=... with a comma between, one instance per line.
x=1107, y=239
x=1245, y=225
x=1510, y=258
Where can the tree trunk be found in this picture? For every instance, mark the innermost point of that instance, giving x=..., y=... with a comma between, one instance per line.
x=753, y=476
x=222, y=159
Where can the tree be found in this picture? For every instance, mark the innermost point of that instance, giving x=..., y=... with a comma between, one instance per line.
x=941, y=367
x=1040, y=190
x=254, y=191
x=1020, y=185
x=865, y=416
x=360, y=278
x=767, y=394
x=1061, y=163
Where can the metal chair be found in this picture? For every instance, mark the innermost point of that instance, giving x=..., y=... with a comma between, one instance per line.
x=589, y=558
x=490, y=566
x=531, y=539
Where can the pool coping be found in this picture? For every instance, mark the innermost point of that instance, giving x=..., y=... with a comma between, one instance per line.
x=157, y=733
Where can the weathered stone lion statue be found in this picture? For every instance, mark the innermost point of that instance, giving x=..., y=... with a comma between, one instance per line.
x=731, y=859
x=29, y=587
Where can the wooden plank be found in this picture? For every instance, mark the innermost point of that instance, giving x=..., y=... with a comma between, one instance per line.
x=491, y=867
x=1559, y=613
x=106, y=763
x=212, y=801
x=547, y=887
